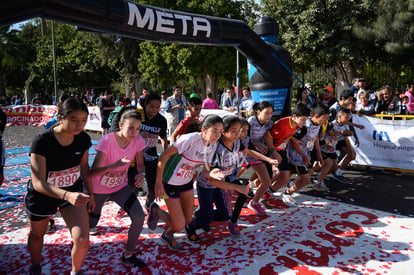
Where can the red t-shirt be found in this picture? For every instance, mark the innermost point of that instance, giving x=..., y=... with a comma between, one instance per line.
x=182, y=127
x=282, y=131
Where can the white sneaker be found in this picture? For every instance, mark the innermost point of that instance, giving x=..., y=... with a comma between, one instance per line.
x=288, y=200
x=318, y=186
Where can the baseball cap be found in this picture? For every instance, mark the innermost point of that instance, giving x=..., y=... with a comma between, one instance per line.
x=329, y=89
x=193, y=95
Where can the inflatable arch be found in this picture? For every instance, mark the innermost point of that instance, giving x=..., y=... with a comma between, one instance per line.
x=269, y=63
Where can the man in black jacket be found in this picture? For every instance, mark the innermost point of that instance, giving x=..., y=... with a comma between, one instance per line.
x=389, y=104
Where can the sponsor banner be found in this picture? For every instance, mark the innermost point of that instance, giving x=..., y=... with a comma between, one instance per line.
x=29, y=115
x=385, y=143
x=94, y=119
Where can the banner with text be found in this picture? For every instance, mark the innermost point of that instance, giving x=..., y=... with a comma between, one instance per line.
x=385, y=143
x=29, y=115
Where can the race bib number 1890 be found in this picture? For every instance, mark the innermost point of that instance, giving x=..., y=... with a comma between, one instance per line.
x=64, y=178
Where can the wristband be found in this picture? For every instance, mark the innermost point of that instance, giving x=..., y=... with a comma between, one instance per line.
x=141, y=172
x=64, y=194
x=272, y=149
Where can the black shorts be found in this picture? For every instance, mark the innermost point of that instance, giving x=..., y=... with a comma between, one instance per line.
x=329, y=155
x=284, y=165
x=341, y=144
x=174, y=191
x=39, y=206
x=300, y=170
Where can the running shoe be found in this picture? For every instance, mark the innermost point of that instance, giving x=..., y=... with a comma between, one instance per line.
x=153, y=217
x=120, y=214
x=170, y=241
x=256, y=207
x=191, y=235
x=234, y=229
x=340, y=178
x=271, y=193
x=133, y=261
x=93, y=231
x=318, y=186
x=35, y=269
x=288, y=200
x=51, y=227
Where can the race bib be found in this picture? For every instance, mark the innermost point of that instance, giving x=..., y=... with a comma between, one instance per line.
x=310, y=144
x=283, y=145
x=113, y=179
x=151, y=142
x=186, y=171
x=64, y=178
x=331, y=141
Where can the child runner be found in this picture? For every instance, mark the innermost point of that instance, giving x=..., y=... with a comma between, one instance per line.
x=109, y=170
x=190, y=123
x=174, y=182
x=59, y=165
x=260, y=125
x=299, y=152
x=153, y=127
x=228, y=158
x=346, y=102
x=282, y=131
x=337, y=131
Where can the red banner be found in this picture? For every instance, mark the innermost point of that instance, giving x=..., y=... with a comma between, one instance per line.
x=29, y=115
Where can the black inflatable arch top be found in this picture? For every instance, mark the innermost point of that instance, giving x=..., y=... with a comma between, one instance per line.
x=134, y=20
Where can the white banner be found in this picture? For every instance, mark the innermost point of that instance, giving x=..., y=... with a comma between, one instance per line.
x=385, y=143
x=94, y=119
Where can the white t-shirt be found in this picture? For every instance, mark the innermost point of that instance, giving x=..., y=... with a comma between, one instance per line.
x=192, y=153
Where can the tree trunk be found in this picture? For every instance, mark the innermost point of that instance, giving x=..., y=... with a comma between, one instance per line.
x=345, y=72
x=2, y=79
x=211, y=85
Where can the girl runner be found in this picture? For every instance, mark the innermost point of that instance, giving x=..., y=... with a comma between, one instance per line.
x=174, y=182
x=114, y=154
x=59, y=165
x=259, y=135
x=153, y=127
x=227, y=159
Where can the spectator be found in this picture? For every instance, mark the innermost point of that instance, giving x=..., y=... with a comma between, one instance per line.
x=209, y=102
x=231, y=102
x=311, y=95
x=355, y=86
x=141, y=101
x=404, y=103
x=19, y=100
x=301, y=96
x=328, y=96
x=134, y=99
x=37, y=100
x=390, y=104
x=246, y=102
x=175, y=107
x=410, y=94
x=365, y=106
x=164, y=96
x=106, y=106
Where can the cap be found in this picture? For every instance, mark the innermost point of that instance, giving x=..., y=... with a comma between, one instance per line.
x=329, y=89
x=361, y=79
x=193, y=95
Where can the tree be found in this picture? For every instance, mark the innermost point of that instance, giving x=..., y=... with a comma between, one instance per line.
x=321, y=32
x=164, y=65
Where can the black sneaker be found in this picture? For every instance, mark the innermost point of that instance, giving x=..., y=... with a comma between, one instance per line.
x=153, y=217
x=35, y=269
x=133, y=261
x=170, y=241
x=51, y=227
x=93, y=231
x=192, y=235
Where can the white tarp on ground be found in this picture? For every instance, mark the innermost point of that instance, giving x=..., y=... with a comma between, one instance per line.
x=318, y=237
x=385, y=143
